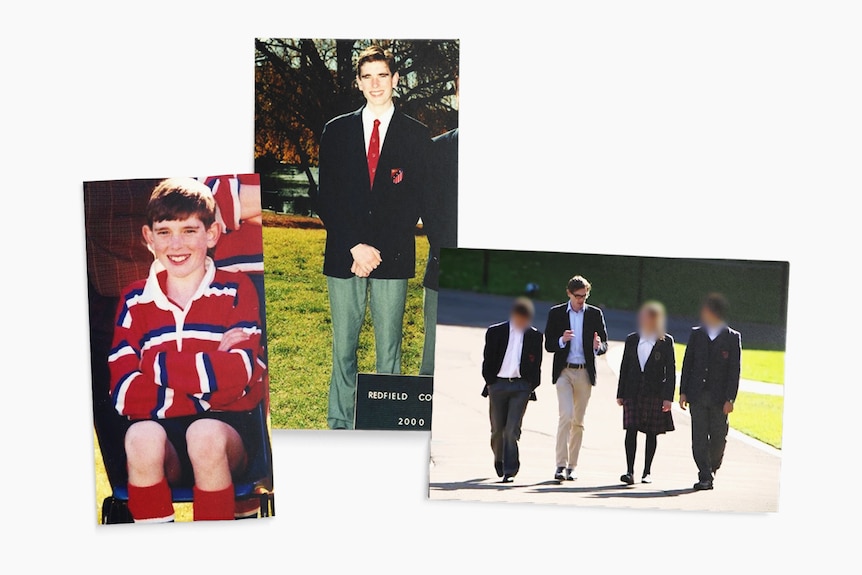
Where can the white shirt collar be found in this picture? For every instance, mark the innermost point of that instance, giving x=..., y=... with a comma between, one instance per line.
x=570, y=309
x=153, y=290
x=713, y=332
x=650, y=339
x=369, y=117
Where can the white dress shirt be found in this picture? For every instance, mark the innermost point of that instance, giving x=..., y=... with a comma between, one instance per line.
x=512, y=360
x=645, y=346
x=576, y=324
x=368, y=118
x=713, y=332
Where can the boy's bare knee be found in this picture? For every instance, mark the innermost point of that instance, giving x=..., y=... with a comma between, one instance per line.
x=145, y=442
x=207, y=441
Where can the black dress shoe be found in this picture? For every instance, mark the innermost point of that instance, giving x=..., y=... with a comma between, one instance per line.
x=507, y=478
x=498, y=467
x=558, y=474
x=703, y=486
x=628, y=479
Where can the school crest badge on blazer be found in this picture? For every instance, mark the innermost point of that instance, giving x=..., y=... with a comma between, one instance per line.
x=657, y=355
x=397, y=175
x=725, y=354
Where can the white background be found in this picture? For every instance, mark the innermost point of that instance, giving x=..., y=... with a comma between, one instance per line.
x=723, y=129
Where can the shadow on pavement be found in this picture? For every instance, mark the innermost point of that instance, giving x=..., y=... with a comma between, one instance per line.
x=644, y=494
x=472, y=484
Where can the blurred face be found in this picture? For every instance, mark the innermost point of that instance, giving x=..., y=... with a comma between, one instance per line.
x=648, y=321
x=708, y=318
x=520, y=322
x=377, y=83
x=181, y=245
x=578, y=298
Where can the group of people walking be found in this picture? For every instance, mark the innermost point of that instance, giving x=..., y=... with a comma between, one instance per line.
x=576, y=335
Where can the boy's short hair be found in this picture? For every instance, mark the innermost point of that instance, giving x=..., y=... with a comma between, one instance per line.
x=375, y=54
x=717, y=304
x=180, y=199
x=524, y=307
x=577, y=283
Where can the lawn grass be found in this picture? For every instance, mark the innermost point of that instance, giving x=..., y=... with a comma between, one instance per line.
x=759, y=416
x=757, y=364
x=299, y=328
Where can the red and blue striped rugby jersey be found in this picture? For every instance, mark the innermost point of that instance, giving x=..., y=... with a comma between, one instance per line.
x=165, y=363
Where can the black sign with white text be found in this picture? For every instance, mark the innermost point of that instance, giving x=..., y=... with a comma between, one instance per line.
x=393, y=402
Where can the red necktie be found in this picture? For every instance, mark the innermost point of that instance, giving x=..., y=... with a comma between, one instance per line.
x=374, y=151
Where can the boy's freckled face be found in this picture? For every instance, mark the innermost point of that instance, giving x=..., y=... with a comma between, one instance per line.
x=181, y=245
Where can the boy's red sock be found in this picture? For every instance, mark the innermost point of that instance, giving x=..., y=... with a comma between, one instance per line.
x=151, y=504
x=213, y=505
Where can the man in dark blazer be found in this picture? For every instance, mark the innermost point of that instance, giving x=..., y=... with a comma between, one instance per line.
x=374, y=170
x=708, y=385
x=512, y=369
x=575, y=334
x=440, y=219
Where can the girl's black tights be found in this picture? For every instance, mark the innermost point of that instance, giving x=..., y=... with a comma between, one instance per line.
x=632, y=446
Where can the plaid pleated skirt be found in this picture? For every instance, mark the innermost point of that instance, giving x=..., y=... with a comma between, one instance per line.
x=644, y=414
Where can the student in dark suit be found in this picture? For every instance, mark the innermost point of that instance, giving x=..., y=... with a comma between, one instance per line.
x=709, y=383
x=575, y=334
x=374, y=169
x=646, y=387
x=440, y=217
x=512, y=370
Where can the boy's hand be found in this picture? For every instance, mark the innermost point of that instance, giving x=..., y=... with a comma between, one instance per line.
x=683, y=401
x=231, y=338
x=365, y=259
x=728, y=408
x=666, y=405
x=597, y=341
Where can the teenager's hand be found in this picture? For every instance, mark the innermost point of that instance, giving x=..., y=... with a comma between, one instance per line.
x=619, y=401
x=231, y=338
x=728, y=408
x=568, y=335
x=358, y=271
x=666, y=405
x=365, y=259
x=597, y=341
x=683, y=401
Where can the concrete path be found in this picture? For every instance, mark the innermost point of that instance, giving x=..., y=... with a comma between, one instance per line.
x=462, y=464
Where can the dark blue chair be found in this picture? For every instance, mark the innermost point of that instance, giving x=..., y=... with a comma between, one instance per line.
x=255, y=483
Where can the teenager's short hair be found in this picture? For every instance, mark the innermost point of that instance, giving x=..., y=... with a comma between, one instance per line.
x=375, y=54
x=578, y=282
x=717, y=304
x=524, y=307
x=180, y=199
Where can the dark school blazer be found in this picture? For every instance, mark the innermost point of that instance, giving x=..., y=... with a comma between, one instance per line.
x=558, y=322
x=658, y=379
x=440, y=216
x=496, y=341
x=384, y=216
x=712, y=366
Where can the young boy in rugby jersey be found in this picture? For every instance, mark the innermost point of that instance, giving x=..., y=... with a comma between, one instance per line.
x=185, y=364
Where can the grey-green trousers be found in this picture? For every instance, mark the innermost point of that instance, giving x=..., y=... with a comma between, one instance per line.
x=348, y=299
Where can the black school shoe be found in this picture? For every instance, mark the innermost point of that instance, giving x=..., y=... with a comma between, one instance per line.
x=558, y=474
x=627, y=478
x=498, y=467
x=703, y=486
x=507, y=478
